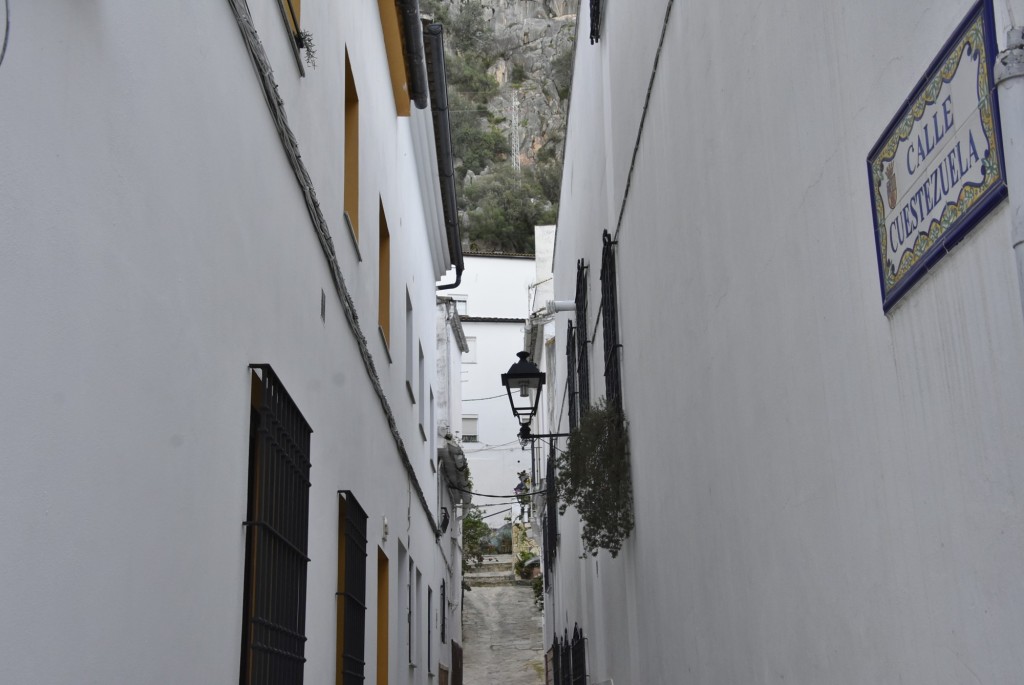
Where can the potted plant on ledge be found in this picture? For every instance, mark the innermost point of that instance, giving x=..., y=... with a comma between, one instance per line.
x=593, y=477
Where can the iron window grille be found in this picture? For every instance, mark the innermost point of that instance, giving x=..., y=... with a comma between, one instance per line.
x=578, y=655
x=550, y=520
x=456, y=674
x=595, y=21
x=565, y=660
x=351, y=588
x=444, y=612
x=430, y=629
x=556, y=660
x=570, y=357
x=277, y=534
x=409, y=621
x=582, y=354
x=610, y=314
x=569, y=658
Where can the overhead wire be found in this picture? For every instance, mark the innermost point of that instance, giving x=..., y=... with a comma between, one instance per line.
x=486, y=447
x=643, y=119
x=480, y=494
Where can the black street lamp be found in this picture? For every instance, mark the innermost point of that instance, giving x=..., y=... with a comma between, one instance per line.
x=524, y=379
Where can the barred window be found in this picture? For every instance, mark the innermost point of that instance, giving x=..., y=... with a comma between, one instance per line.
x=430, y=629
x=550, y=519
x=570, y=360
x=456, y=674
x=351, y=629
x=554, y=661
x=444, y=612
x=565, y=661
x=277, y=533
x=578, y=655
x=582, y=353
x=595, y=21
x=610, y=316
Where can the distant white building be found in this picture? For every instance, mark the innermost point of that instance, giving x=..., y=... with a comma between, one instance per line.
x=493, y=300
x=218, y=288
x=823, y=377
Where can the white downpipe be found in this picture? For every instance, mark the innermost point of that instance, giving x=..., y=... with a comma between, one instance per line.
x=1008, y=70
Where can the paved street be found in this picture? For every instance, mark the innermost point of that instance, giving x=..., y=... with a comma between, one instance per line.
x=502, y=636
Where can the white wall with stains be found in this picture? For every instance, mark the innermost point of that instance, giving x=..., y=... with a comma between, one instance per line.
x=823, y=493
x=156, y=243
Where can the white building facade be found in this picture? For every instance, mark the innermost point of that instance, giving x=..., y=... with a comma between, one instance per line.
x=826, y=489
x=493, y=299
x=218, y=284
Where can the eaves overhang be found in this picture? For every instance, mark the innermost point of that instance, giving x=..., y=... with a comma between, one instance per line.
x=433, y=41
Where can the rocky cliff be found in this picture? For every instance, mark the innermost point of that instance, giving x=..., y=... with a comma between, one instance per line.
x=509, y=68
x=533, y=70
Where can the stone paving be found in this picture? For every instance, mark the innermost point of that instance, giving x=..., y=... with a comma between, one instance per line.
x=502, y=636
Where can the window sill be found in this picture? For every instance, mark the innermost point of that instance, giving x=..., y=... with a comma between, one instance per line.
x=423, y=433
x=291, y=38
x=384, y=341
x=412, y=395
x=352, y=234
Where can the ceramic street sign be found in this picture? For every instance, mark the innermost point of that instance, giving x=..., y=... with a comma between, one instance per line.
x=938, y=168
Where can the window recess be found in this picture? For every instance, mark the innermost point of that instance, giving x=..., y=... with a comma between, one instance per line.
x=582, y=352
x=351, y=628
x=276, y=536
x=610, y=326
x=573, y=390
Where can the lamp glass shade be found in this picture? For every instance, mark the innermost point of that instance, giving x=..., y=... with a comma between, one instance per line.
x=525, y=380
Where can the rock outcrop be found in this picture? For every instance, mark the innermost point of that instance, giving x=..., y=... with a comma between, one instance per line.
x=535, y=40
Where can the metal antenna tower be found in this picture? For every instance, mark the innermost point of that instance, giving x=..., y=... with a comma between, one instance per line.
x=514, y=131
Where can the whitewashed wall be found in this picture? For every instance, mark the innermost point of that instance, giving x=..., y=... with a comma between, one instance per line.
x=823, y=493
x=155, y=244
x=494, y=287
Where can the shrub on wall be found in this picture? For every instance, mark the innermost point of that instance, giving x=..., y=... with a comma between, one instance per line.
x=593, y=477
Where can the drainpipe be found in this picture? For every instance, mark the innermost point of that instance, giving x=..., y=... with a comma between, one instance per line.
x=1009, y=67
x=434, y=42
x=414, y=58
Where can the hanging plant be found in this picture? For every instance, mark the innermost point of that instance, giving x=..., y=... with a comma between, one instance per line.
x=305, y=42
x=593, y=477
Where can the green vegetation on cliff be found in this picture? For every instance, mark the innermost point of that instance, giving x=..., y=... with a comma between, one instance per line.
x=498, y=204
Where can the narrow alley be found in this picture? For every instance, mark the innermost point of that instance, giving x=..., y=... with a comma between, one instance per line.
x=502, y=627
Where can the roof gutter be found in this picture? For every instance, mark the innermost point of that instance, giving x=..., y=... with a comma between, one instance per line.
x=414, y=57
x=433, y=41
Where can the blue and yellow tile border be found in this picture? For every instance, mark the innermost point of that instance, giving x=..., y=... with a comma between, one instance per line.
x=975, y=37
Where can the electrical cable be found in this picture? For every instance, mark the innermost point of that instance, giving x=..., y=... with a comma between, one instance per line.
x=643, y=119
x=486, y=448
x=480, y=494
x=480, y=399
x=553, y=444
x=7, y=29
